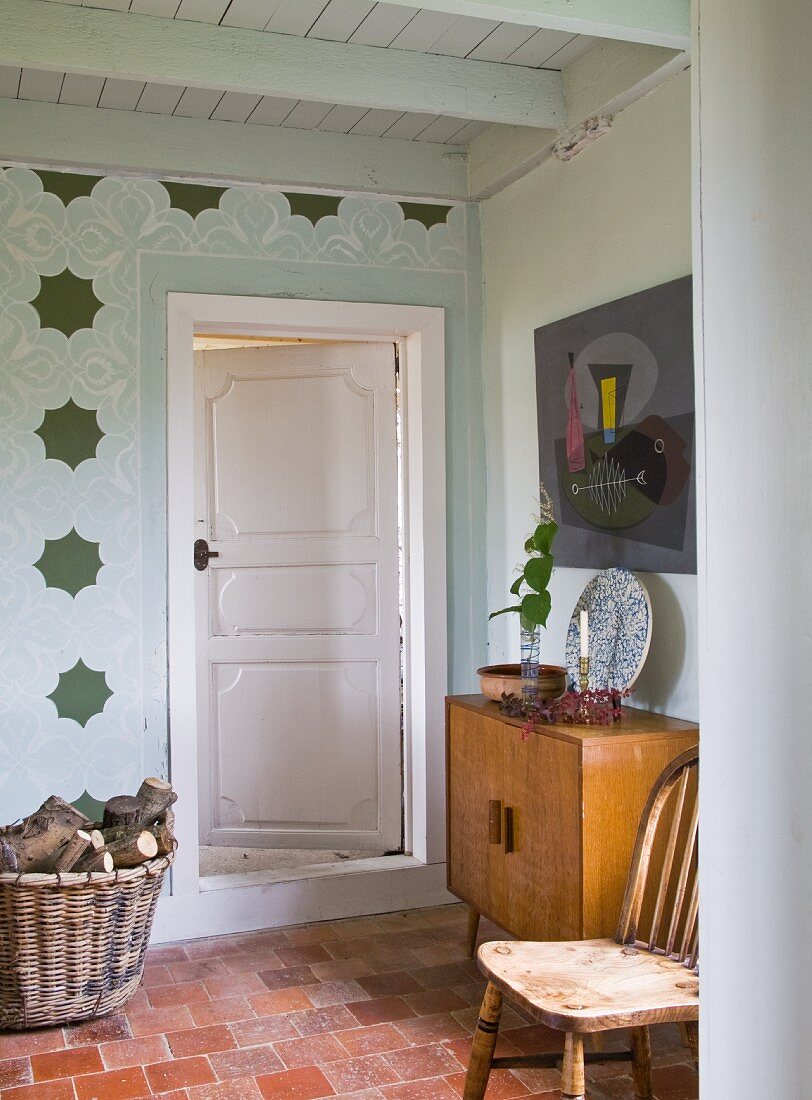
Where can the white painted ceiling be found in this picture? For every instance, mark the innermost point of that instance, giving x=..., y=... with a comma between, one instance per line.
x=388, y=26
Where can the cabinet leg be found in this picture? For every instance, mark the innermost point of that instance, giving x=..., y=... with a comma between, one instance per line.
x=485, y=1036
x=473, y=929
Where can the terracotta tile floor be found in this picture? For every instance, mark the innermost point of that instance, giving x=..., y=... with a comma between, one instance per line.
x=366, y=1009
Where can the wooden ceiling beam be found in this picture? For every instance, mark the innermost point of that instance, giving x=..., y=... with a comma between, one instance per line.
x=654, y=22
x=600, y=83
x=96, y=42
x=94, y=139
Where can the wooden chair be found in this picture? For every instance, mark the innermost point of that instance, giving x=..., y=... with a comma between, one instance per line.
x=641, y=977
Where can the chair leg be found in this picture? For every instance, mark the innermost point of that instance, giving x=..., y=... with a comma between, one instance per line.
x=692, y=1035
x=487, y=1031
x=572, y=1075
x=641, y=1063
x=473, y=930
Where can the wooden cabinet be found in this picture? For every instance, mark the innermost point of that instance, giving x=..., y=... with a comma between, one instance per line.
x=541, y=829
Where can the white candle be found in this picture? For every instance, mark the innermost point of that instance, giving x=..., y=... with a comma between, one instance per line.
x=584, y=634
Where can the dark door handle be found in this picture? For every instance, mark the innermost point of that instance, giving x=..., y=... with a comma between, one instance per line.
x=510, y=836
x=202, y=554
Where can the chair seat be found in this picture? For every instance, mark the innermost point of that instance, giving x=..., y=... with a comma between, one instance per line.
x=591, y=985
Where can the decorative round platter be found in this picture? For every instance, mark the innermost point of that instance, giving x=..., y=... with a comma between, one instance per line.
x=619, y=612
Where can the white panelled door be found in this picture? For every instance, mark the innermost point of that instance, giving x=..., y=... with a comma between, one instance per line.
x=298, y=621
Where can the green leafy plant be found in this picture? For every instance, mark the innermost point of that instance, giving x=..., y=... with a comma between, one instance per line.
x=530, y=587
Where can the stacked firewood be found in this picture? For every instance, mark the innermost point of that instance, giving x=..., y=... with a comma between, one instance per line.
x=60, y=838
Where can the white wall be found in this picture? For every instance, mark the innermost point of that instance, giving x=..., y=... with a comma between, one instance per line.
x=615, y=220
x=754, y=258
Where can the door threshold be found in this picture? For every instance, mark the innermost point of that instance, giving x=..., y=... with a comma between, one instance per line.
x=385, y=884
x=313, y=870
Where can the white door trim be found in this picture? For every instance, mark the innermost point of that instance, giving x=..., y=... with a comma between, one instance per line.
x=420, y=332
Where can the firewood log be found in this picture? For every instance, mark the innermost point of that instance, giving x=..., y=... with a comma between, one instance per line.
x=73, y=850
x=164, y=837
x=94, y=859
x=36, y=840
x=161, y=832
x=131, y=850
x=123, y=809
x=96, y=838
x=155, y=796
x=8, y=857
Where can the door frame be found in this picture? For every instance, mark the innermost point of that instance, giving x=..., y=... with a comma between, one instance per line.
x=419, y=331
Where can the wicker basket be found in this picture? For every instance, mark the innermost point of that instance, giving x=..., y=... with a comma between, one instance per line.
x=72, y=946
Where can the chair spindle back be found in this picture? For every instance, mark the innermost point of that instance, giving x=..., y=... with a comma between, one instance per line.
x=667, y=904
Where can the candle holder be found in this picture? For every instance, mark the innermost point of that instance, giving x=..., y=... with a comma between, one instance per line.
x=583, y=715
x=583, y=678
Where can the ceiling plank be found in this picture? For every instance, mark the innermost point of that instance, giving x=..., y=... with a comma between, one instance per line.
x=39, y=85
x=42, y=35
x=383, y=24
x=121, y=95
x=339, y=21
x=504, y=41
x=656, y=22
x=84, y=91
x=543, y=44
x=159, y=99
x=235, y=107
x=9, y=81
x=90, y=138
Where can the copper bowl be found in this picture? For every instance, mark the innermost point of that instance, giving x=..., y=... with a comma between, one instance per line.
x=496, y=680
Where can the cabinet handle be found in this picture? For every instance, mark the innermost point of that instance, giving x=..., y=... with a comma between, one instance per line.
x=494, y=822
x=509, y=837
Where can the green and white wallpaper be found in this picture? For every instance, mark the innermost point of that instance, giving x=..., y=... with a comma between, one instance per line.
x=85, y=264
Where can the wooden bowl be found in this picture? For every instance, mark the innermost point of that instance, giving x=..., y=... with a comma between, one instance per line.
x=494, y=680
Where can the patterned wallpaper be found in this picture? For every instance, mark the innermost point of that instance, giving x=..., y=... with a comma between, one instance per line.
x=72, y=696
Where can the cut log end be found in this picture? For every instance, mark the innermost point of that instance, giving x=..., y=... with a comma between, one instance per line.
x=131, y=850
x=72, y=852
x=122, y=810
x=166, y=842
x=95, y=859
x=156, y=796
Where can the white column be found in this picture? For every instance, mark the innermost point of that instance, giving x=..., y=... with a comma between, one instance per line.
x=753, y=260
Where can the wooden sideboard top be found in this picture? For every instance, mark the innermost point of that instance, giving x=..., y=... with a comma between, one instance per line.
x=634, y=726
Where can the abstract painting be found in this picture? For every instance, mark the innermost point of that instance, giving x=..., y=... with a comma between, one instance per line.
x=615, y=393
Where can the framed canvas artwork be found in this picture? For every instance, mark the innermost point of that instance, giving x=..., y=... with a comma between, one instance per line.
x=615, y=393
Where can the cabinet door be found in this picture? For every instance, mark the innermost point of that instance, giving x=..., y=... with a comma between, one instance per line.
x=618, y=777
x=543, y=862
x=477, y=762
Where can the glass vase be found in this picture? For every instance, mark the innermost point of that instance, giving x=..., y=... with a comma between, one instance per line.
x=530, y=646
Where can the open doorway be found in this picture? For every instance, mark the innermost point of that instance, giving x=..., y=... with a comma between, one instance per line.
x=298, y=603
x=216, y=904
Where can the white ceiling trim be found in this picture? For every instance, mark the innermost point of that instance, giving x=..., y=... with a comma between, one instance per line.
x=40, y=35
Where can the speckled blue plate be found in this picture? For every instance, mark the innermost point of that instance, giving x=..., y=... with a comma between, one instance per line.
x=619, y=630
